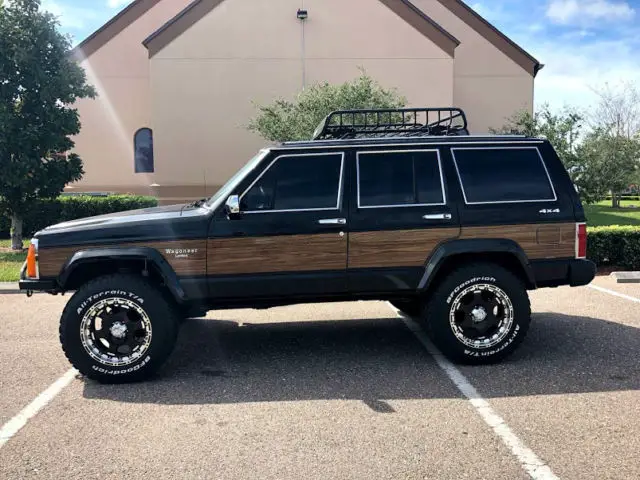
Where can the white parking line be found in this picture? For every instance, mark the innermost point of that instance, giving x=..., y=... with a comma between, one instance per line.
x=611, y=292
x=534, y=466
x=14, y=425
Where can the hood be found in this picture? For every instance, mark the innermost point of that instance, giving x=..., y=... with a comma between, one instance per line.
x=168, y=212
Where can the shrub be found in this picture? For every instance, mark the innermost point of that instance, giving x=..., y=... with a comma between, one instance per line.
x=614, y=245
x=49, y=212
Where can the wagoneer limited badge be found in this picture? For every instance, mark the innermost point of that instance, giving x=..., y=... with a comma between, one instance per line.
x=180, y=252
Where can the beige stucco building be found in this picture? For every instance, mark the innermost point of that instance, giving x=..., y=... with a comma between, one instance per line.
x=192, y=71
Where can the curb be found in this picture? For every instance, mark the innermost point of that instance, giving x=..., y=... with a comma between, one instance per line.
x=626, y=277
x=9, y=287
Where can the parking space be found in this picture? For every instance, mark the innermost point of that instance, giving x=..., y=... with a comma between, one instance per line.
x=332, y=391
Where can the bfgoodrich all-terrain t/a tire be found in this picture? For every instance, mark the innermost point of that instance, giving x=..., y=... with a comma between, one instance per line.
x=479, y=314
x=118, y=328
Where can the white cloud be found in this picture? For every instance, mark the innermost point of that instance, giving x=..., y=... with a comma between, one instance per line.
x=581, y=12
x=572, y=70
x=117, y=3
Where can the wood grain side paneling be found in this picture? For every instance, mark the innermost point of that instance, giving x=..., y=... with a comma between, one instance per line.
x=283, y=253
x=539, y=241
x=186, y=257
x=395, y=248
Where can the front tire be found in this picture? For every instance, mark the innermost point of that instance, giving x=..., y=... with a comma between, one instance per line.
x=479, y=314
x=118, y=328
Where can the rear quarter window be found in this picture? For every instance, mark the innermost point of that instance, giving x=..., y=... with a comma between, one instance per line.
x=503, y=175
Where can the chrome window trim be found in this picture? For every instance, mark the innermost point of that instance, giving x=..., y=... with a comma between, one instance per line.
x=436, y=150
x=340, y=183
x=544, y=165
x=434, y=144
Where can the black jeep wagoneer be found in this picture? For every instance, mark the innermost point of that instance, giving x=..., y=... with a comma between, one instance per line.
x=397, y=205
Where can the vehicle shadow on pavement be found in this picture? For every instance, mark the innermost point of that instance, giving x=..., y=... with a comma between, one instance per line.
x=373, y=360
x=565, y=354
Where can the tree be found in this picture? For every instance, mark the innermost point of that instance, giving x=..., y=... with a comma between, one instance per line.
x=564, y=130
x=287, y=121
x=618, y=109
x=39, y=83
x=611, y=161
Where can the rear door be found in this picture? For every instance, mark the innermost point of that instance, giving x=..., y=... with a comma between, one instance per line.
x=290, y=237
x=400, y=211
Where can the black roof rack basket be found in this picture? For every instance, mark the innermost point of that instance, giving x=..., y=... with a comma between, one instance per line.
x=392, y=122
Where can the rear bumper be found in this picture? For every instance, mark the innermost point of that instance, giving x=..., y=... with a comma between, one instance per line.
x=36, y=285
x=553, y=273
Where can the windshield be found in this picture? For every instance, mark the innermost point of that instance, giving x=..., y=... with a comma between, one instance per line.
x=222, y=194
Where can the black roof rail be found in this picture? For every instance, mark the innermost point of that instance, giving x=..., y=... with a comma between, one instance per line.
x=392, y=122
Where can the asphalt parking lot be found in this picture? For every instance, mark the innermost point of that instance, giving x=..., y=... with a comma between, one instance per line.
x=335, y=391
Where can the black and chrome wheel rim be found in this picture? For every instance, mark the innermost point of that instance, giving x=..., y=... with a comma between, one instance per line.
x=481, y=316
x=115, y=332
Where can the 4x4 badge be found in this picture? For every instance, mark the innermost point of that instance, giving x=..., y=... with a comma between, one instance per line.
x=549, y=210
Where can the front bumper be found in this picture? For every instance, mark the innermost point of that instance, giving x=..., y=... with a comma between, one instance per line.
x=553, y=273
x=36, y=285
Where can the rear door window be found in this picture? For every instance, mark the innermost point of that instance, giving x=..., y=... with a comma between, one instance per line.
x=399, y=179
x=503, y=175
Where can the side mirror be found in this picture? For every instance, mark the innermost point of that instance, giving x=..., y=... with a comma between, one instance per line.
x=233, y=205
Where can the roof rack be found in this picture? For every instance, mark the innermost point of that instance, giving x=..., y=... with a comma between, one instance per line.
x=392, y=122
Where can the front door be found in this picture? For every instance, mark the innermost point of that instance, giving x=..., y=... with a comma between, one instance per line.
x=290, y=238
x=400, y=212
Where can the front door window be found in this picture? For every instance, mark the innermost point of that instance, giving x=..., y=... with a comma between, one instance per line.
x=296, y=183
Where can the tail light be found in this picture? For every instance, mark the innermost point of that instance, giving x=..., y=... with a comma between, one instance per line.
x=581, y=240
x=32, y=260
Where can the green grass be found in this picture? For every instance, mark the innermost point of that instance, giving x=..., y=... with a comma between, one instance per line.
x=10, y=263
x=601, y=213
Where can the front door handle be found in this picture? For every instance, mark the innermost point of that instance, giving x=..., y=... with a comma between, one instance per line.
x=437, y=216
x=333, y=221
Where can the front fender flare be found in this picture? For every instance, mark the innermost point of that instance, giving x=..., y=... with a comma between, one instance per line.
x=474, y=246
x=148, y=254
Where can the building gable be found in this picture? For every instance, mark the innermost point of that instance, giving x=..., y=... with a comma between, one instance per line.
x=200, y=8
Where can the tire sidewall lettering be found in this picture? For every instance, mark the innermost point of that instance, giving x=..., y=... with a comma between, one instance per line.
x=123, y=371
x=90, y=300
x=498, y=349
x=466, y=283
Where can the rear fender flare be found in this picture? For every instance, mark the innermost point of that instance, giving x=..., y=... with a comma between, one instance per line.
x=474, y=246
x=148, y=254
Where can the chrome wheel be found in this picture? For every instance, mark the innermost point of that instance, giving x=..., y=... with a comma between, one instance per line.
x=115, y=331
x=481, y=316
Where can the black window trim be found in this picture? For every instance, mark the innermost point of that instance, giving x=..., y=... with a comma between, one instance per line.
x=340, y=183
x=369, y=152
x=544, y=165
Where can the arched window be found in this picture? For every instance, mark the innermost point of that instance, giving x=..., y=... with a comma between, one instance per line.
x=143, y=146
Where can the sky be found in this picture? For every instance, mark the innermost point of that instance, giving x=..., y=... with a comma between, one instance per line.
x=583, y=43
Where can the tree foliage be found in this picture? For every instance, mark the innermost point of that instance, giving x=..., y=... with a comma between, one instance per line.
x=564, y=130
x=39, y=83
x=284, y=120
x=610, y=163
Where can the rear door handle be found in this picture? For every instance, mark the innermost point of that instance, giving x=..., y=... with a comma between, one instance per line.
x=333, y=221
x=437, y=216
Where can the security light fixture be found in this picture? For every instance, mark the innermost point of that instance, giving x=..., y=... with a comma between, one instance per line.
x=302, y=14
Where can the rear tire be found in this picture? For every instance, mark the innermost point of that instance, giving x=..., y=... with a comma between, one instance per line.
x=118, y=328
x=479, y=314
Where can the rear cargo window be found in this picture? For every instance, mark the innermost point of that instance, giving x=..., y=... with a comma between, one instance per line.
x=503, y=175
x=399, y=178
